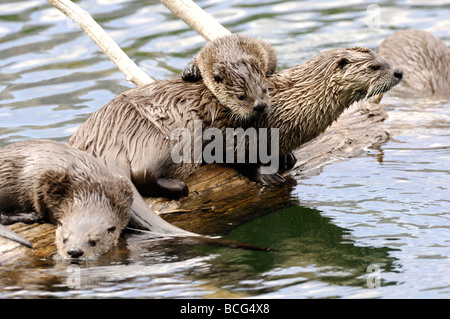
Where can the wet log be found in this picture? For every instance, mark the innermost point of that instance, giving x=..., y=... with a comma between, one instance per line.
x=221, y=199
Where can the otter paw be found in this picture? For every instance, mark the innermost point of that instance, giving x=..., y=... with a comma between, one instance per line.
x=172, y=188
x=272, y=179
x=191, y=73
x=287, y=162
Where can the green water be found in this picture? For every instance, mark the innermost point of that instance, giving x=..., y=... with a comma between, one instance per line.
x=382, y=216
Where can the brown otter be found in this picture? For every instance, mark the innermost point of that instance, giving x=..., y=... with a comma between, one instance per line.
x=309, y=97
x=71, y=189
x=90, y=203
x=425, y=60
x=235, y=69
x=133, y=130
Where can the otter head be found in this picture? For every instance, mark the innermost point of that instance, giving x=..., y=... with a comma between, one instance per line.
x=90, y=213
x=359, y=74
x=88, y=233
x=241, y=86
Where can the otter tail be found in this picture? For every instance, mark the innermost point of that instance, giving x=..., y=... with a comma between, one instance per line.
x=7, y=233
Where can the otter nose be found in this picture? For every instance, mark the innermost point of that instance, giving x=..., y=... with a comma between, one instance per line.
x=75, y=252
x=398, y=73
x=260, y=106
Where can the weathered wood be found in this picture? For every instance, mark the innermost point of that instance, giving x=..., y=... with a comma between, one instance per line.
x=219, y=193
x=221, y=199
x=42, y=236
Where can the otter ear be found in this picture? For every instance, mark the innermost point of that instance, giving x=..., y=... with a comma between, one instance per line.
x=52, y=189
x=127, y=191
x=343, y=62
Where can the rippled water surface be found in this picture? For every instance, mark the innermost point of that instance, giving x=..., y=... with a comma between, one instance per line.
x=381, y=220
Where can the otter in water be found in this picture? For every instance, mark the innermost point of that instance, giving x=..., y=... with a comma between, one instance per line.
x=133, y=130
x=235, y=69
x=424, y=58
x=89, y=204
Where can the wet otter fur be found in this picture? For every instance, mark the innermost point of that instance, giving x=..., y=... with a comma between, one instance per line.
x=235, y=69
x=71, y=189
x=133, y=130
x=424, y=58
x=308, y=98
x=43, y=180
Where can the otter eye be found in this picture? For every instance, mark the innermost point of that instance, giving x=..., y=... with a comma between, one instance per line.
x=241, y=97
x=64, y=240
x=92, y=243
x=375, y=67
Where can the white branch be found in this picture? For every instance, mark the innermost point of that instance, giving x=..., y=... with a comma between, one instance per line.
x=104, y=41
x=196, y=18
x=186, y=10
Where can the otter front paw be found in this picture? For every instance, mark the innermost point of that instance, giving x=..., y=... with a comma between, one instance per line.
x=191, y=73
x=272, y=179
x=172, y=188
x=287, y=162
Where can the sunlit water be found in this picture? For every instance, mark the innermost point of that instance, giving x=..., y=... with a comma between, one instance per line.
x=376, y=226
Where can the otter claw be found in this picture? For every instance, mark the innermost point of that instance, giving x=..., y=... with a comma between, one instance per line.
x=272, y=179
x=287, y=162
x=172, y=188
x=191, y=73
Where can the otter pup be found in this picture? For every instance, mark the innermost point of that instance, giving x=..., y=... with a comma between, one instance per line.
x=89, y=204
x=235, y=69
x=133, y=130
x=425, y=60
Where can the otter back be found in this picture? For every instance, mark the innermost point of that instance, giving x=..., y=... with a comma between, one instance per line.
x=424, y=58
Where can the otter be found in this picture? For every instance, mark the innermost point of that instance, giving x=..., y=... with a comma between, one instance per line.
x=133, y=130
x=425, y=60
x=235, y=69
x=308, y=98
x=71, y=189
x=91, y=204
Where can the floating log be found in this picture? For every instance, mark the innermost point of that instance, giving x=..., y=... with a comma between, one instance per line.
x=220, y=199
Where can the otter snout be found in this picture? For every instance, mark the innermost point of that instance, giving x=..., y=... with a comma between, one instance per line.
x=398, y=73
x=75, y=252
x=260, y=106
